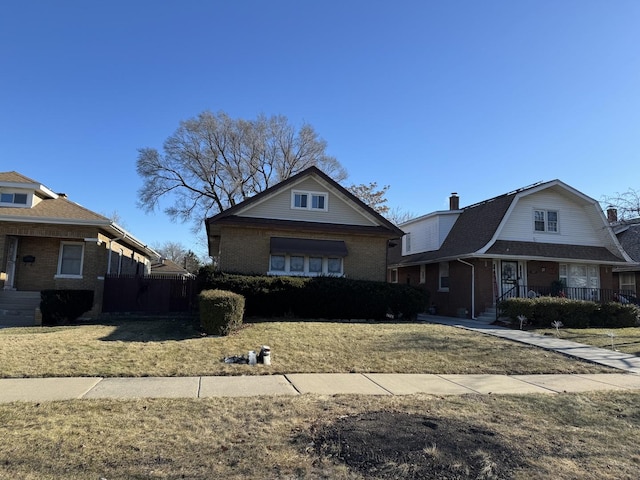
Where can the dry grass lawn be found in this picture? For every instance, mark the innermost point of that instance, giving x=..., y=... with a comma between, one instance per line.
x=625, y=340
x=561, y=437
x=176, y=348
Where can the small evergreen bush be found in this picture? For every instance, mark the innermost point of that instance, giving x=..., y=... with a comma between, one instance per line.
x=221, y=311
x=60, y=307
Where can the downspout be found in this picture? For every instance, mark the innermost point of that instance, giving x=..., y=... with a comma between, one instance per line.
x=473, y=287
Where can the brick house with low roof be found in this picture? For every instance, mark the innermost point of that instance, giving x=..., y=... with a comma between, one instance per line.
x=517, y=244
x=306, y=225
x=49, y=242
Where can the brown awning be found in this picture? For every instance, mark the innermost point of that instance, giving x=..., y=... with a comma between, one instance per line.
x=305, y=246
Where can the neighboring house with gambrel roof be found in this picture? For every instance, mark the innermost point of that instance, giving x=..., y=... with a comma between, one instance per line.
x=49, y=242
x=526, y=242
x=627, y=278
x=307, y=225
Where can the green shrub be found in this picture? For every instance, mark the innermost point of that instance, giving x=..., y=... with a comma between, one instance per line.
x=543, y=311
x=60, y=307
x=221, y=311
x=319, y=297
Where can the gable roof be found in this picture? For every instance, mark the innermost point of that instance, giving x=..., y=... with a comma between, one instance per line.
x=231, y=215
x=59, y=210
x=477, y=228
x=166, y=266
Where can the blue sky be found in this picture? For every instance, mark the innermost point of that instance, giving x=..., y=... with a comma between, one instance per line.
x=429, y=97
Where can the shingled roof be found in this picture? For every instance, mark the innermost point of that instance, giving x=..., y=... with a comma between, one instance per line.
x=476, y=226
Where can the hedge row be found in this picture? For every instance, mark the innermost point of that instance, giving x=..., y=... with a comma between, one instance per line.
x=319, y=297
x=543, y=311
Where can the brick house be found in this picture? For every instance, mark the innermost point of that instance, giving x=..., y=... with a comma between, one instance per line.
x=522, y=243
x=50, y=242
x=306, y=225
x=627, y=278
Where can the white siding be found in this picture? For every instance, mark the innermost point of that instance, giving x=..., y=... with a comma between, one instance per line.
x=428, y=234
x=278, y=207
x=578, y=223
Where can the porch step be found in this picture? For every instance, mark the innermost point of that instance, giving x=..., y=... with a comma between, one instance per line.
x=18, y=308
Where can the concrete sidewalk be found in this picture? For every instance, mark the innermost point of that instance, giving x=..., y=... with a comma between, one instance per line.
x=56, y=389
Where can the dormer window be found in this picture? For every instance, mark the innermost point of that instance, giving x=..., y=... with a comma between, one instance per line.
x=309, y=200
x=14, y=198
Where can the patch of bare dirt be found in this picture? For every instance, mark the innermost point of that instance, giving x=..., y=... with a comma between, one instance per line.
x=387, y=444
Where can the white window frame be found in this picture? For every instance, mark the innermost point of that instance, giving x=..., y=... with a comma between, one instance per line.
x=407, y=243
x=443, y=272
x=305, y=272
x=548, y=226
x=13, y=202
x=582, y=280
x=60, y=257
x=423, y=273
x=309, y=195
x=394, y=275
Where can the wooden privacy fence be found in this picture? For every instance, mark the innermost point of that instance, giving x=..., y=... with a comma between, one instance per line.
x=148, y=294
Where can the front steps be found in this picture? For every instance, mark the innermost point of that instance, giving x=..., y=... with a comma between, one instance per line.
x=18, y=308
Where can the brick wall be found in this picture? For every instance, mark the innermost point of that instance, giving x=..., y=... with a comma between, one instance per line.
x=43, y=242
x=246, y=250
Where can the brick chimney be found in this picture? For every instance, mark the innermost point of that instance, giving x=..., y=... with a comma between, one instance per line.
x=454, y=202
x=612, y=214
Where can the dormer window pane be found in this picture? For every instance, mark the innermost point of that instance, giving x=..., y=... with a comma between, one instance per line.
x=300, y=200
x=317, y=201
x=15, y=198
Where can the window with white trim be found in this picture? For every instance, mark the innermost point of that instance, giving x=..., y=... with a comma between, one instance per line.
x=394, y=275
x=443, y=282
x=423, y=273
x=70, y=259
x=545, y=221
x=583, y=281
x=14, y=198
x=302, y=200
x=407, y=243
x=305, y=265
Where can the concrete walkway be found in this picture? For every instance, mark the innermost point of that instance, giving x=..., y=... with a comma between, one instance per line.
x=55, y=389
x=609, y=358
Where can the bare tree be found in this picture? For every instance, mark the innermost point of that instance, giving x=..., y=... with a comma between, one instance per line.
x=372, y=197
x=176, y=252
x=212, y=162
x=627, y=204
x=398, y=216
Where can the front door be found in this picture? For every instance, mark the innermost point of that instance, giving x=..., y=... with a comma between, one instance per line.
x=509, y=278
x=11, y=263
